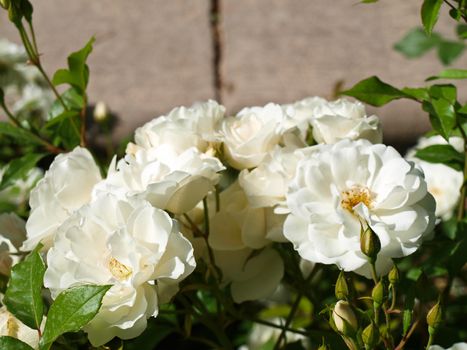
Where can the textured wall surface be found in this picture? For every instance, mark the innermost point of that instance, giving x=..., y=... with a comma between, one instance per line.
x=152, y=55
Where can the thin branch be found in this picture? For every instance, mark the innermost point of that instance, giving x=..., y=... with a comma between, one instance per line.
x=215, y=13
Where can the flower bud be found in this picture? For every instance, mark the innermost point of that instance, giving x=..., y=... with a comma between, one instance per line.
x=14, y=14
x=369, y=243
x=379, y=294
x=370, y=336
x=434, y=317
x=101, y=112
x=344, y=318
x=5, y=4
x=342, y=289
x=323, y=347
x=394, y=275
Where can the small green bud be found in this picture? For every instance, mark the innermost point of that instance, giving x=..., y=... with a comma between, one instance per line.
x=5, y=4
x=344, y=318
x=14, y=14
x=369, y=243
x=370, y=336
x=394, y=275
x=323, y=347
x=379, y=294
x=434, y=317
x=341, y=289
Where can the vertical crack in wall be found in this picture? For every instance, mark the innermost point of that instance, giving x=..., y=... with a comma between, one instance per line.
x=215, y=21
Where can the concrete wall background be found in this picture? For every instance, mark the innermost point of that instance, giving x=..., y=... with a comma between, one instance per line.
x=153, y=55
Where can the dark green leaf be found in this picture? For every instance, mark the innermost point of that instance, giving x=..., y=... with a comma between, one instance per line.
x=77, y=74
x=23, y=295
x=416, y=43
x=449, y=51
x=71, y=310
x=375, y=92
x=462, y=31
x=463, y=109
x=446, y=114
x=420, y=94
x=430, y=13
x=18, y=168
x=20, y=135
x=450, y=74
x=10, y=343
x=445, y=154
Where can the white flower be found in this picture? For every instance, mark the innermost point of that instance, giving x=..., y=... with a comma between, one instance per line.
x=11, y=53
x=301, y=113
x=10, y=326
x=132, y=246
x=457, y=346
x=266, y=185
x=443, y=182
x=171, y=181
x=66, y=186
x=182, y=128
x=343, y=119
x=251, y=134
x=12, y=235
x=240, y=237
x=338, y=186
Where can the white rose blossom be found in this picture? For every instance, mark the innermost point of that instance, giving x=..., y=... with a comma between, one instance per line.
x=338, y=187
x=171, y=181
x=443, y=182
x=456, y=346
x=301, y=112
x=66, y=186
x=251, y=134
x=240, y=237
x=12, y=235
x=130, y=245
x=10, y=326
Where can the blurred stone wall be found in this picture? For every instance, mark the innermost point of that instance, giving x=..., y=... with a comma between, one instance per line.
x=153, y=55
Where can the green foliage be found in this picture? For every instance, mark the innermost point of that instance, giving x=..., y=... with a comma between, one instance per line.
x=18, y=168
x=375, y=92
x=445, y=154
x=450, y=74
x=10, y=343
x=417, y=42
x=23, y=296
x=430, y=14
x=71, y=310
x=20, y=135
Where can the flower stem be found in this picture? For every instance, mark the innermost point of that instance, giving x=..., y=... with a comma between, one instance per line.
x=288, y=321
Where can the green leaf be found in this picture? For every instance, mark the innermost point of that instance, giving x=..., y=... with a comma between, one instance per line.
x=462, y=31
x=18, y=168
x=445, y=154
x=463, y=109
x=23, y=295
x=430, y=14
x=447, y=92
x=416, y=43
x=449, y=51
x=71, y=310
x=72, y=99
x=417, y=93
x=452, y=73
x=77, y=74
x=375, y=92
x=20, y=135
x=10, y=343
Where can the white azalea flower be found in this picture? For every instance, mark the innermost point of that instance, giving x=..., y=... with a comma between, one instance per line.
x=443, y=182
x=171, y=181
x=336, y=187
x=251, y=134
x=66, y=186
x=266, y=185
x=456, y=346
x=128, y=245
x=12, y=235
x=10, y=326
x=343, y=119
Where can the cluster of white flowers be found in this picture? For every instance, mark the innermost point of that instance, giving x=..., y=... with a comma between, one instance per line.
x=135, y=227
x=23, y=84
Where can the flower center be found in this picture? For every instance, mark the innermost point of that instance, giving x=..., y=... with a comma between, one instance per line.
x=119, y=270
x=354, y=196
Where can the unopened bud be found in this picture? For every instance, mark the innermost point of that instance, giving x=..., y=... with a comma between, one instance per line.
x=101, y=112
x=369, y=243
x=370, y=336
x=5, y=4
x=394, y=275
x=323, y=347
x=434, y=317
x=14, y=14
x=379, y=294
x=344, y=318
x=342, y=289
